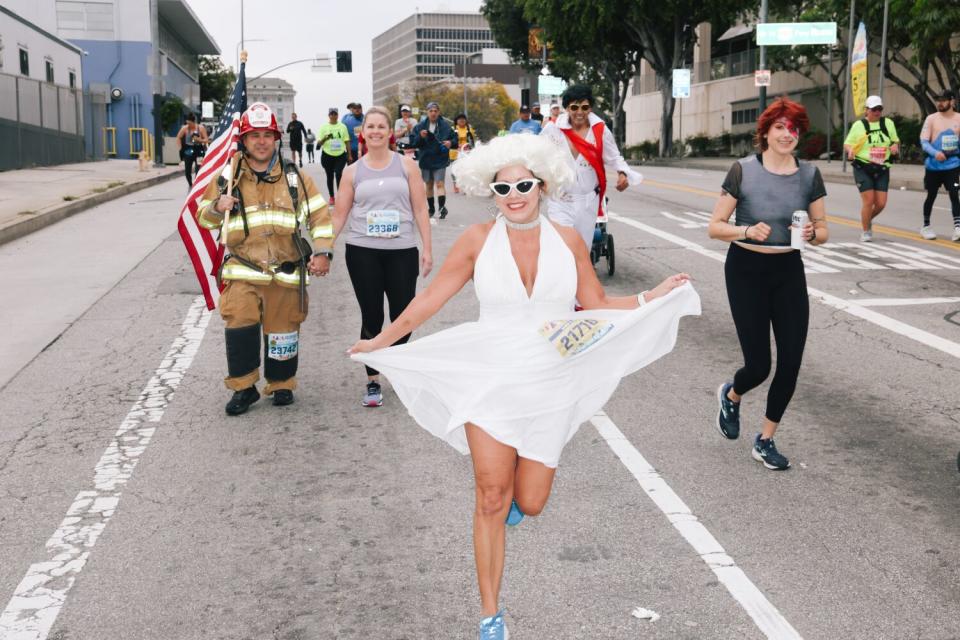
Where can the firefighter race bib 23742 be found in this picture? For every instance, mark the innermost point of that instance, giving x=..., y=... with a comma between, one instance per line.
x=283, y=346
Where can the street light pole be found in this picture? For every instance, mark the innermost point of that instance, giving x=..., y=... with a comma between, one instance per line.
x=883, y=47
x=763, y=58
x=443, y=47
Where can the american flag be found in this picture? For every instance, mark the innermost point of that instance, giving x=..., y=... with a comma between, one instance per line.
x=204, y=250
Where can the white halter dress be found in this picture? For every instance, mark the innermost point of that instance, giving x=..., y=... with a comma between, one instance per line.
x=530, y=371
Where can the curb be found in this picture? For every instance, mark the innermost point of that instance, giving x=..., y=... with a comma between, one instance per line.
x=37, y=221
x=911, y=184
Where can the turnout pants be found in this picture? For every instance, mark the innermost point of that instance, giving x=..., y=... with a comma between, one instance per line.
x=267, y=314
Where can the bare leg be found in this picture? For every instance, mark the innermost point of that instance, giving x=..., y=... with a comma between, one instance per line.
x=441, y=188
x=769, y=428
x=494, y=465
x=866, y=209
x=532, y=484
x=879, y=202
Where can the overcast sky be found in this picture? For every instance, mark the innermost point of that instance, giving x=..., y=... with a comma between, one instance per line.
x=296, y=29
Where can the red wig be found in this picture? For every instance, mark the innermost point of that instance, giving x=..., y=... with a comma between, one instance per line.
x=782, y=107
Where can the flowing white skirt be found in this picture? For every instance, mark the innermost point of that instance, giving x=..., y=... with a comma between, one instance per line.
x=508, y=378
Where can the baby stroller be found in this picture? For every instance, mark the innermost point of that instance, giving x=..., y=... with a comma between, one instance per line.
x=603, y=242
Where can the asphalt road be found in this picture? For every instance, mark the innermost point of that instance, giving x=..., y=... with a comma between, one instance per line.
x=327, y=520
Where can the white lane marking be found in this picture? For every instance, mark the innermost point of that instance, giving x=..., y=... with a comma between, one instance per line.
x=853, y=308
x=684, y=223
x=37, y=601
x=901, y=302
x=766, y=616
x=894, y=257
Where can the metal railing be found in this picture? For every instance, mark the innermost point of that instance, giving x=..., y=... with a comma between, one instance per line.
x=140, y=140
x=110, y=141
x=40, y=123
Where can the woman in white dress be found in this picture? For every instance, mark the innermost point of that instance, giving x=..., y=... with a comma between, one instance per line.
x=513, y=388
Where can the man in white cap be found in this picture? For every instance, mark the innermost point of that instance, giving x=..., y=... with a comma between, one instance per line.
x=871, y=143
x=403, y=127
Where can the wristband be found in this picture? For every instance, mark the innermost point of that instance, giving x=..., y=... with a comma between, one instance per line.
x=324, y=252
x=640, y=299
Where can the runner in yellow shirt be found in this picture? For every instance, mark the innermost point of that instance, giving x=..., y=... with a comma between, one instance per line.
x=869, y=145
x=466, y=140
x=333, y=138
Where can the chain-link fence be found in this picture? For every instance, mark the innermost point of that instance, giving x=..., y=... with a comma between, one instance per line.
x=44, y=124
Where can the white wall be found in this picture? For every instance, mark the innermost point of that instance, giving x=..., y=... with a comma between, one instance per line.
x=42, y=13
x=16, y=35
x=124, y=20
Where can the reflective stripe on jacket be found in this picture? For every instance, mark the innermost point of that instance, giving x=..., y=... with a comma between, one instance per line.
x=271, y=223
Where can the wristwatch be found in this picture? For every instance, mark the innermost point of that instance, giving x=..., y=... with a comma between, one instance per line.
x=324, y=252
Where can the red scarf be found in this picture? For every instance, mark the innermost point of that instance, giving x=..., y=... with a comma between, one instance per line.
x=593, y=155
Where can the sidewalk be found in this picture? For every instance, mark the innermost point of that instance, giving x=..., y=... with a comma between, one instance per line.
x=906, y=176
x=31, y=199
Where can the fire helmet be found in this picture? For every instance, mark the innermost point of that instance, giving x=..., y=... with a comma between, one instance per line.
x=259, y=116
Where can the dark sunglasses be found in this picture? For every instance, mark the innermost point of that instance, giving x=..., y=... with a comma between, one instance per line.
x=523, y=187
x=876, y=108
x=578, y=107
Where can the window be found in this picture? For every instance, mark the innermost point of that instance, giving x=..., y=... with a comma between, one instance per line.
x=72, y=78
x=49, y=67
x=24, y=62
x=744, y=116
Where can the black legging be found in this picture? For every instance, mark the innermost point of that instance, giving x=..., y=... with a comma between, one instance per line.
x=189, y=163
x=333, y=167
x=767, y=289
x=375, y=272
x=932, y=181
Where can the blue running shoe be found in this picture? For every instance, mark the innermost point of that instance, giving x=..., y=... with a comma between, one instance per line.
x=766, y=452
x=728, y=418
x=494, y=628
x=514, y=516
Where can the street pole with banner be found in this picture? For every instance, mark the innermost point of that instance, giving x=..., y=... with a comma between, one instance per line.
x=846, y=92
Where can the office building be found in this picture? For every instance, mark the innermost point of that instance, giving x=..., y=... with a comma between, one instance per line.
x=424, y=48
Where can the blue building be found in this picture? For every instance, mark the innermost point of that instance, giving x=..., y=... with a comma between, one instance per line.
x=132, y=49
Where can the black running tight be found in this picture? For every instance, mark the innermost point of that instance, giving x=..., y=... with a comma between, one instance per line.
x=375, y=272
x=949, y=180
x=333, y=167
x=768, y=289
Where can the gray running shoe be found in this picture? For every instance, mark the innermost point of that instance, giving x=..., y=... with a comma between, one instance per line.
x=956, y=234
x=373, y=397
x=866, y=236
x=927, y=233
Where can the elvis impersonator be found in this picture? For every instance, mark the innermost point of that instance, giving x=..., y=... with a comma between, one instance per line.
x=260, y=205
x=589, y=148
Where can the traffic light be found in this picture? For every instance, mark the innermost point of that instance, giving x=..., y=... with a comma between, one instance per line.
x=344, y=62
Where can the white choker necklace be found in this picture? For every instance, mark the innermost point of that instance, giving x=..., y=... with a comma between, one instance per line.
x=521, y=226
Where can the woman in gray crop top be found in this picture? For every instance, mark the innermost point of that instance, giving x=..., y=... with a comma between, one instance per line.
x=766, y=285
x=382, y=202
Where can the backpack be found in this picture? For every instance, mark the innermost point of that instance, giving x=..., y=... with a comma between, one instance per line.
x=883, y=126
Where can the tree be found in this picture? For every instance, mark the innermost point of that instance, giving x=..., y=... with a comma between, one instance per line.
x=919, y=36
x=216, y=80
x=490, y=108
x=584, y=47
x=665, y=31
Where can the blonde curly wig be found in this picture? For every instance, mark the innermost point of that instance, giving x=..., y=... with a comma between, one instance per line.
x=476, y=170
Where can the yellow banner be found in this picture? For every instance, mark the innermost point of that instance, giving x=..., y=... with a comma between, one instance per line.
x=858, y=71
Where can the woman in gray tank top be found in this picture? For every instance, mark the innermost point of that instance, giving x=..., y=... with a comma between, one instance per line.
x=381, y=201
x=765, y=280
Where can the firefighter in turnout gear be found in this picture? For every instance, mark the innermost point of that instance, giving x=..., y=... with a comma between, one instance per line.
x=264, y=266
